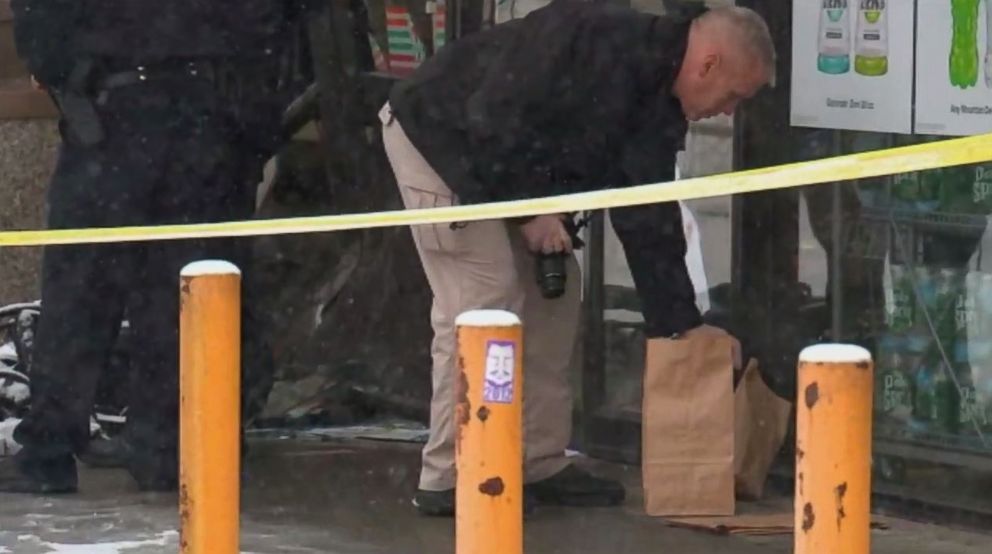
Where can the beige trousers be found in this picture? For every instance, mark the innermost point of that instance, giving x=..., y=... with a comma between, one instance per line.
x=487, y=265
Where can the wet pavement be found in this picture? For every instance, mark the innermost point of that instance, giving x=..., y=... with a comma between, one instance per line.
x=352, y=496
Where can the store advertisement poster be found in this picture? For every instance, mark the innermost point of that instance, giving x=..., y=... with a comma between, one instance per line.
x=954, y=67
x=852, y=64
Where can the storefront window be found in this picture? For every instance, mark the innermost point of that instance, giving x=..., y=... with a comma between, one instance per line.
x=898, y=264
x=914, y=287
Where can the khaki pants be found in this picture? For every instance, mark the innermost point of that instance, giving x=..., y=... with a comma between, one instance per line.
x=487, y=265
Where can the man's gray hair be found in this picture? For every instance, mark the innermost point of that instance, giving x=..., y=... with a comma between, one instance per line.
x=752, y=32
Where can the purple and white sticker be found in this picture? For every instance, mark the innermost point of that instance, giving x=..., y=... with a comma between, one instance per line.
x=500, y=371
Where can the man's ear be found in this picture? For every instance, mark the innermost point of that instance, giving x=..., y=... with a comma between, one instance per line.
x=710, y=63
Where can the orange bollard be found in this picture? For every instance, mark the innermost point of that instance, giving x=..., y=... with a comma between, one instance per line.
x=833, y=450
x=210, y=407
x=489, y=442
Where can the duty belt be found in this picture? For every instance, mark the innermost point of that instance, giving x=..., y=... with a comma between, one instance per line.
x=195, y=70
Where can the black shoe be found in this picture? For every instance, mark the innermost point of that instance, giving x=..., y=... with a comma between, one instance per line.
x=442, y=503
x=435, y=503
x=32, y=475
x=106, y=453
x=154, y=472
x=574, y=487
x=151, y=481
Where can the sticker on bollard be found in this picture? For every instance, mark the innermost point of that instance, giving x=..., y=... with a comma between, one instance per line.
x=498, y=386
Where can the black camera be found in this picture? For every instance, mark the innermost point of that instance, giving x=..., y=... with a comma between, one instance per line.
x=552, y=276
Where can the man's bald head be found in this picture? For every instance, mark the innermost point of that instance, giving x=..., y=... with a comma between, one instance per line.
x=729, y=57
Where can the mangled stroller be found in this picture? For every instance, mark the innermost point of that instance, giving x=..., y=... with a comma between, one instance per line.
x=18, y=324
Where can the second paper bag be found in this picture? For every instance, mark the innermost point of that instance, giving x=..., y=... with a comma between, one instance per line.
x=688, y=428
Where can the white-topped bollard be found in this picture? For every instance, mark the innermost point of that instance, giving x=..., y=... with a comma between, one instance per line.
x=210, y=407
x=489, y=439
x=833, y=450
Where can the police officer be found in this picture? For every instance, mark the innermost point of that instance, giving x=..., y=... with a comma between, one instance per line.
x=154, y=131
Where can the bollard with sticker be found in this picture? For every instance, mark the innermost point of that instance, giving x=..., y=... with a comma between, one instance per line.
x=489, y=440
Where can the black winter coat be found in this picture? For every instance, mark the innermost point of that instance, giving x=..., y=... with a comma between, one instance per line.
x=574, y=97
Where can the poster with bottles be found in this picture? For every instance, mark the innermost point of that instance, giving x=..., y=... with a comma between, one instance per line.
x=852, y=64
x=954, y=67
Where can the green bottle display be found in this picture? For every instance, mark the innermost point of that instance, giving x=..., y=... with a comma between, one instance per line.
x=871, y=48
x=966, y=189
x=963, y=61
x=918, y=390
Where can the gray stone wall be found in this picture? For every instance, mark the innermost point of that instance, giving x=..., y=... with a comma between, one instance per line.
x=28, y=143
x=27, y=155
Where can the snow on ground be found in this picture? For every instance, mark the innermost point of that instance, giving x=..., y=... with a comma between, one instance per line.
x=164, y=538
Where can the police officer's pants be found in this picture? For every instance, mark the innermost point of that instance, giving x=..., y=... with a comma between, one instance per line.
x=168, y=157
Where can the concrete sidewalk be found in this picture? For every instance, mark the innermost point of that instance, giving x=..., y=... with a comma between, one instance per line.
x=345, y=497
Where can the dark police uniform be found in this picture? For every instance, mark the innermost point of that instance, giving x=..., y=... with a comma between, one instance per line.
x=155, y=131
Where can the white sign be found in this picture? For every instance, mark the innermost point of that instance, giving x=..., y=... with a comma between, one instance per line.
x=852, y=64
x=953, y=67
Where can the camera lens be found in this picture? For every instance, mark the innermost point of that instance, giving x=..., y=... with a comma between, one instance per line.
x=551, y=275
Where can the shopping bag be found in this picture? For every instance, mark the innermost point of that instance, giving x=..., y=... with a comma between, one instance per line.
x=688, y=425
x=761, y=422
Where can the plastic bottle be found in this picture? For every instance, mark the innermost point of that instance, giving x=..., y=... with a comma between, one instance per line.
x=834, y=41
x=946, y=402
x=924, y=408
x=950, y=297
x=919, y=339
x=905, y=190
x=893, y=398
x=871, y=48
x=963, y=61
x=971, y=412
x=900, y=315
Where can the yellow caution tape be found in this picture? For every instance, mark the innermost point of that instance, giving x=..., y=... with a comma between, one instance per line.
x=842, y=168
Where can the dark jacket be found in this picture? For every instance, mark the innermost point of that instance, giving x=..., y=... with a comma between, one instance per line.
x=52, y=35
x=573, y=97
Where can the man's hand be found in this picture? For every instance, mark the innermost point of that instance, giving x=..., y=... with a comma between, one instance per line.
x=36, y=85
x=704, y=330
x=547, y=234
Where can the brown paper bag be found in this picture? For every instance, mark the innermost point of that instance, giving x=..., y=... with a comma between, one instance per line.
x=761, y=422
x=688, y=428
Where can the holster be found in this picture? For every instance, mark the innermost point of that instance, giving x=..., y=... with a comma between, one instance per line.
x=81, y=121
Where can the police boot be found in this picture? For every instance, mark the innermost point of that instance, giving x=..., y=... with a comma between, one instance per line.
x=156, y=471
x=31, y=474
x=106, y=453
